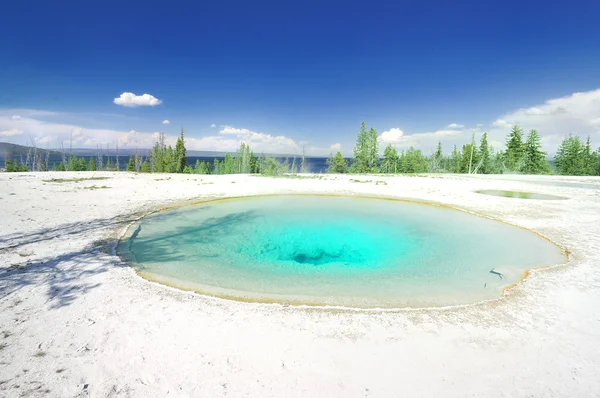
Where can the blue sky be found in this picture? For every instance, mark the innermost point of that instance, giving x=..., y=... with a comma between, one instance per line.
x=281, y=75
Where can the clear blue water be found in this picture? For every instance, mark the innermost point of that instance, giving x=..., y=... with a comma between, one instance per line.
x=334, y=251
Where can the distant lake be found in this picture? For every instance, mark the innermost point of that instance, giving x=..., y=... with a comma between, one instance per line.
x=314, y=164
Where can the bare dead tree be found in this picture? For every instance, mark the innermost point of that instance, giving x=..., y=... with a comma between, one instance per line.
x=35, y=162
x=137, y=161
x=99, y=153
x=47, y=158
x=28, y=159
x=117, y=156
x=64, y=156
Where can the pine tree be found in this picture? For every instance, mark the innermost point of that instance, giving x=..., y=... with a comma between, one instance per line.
x=130, y=164
x=470, y=158
x=456, y=160
x=330, y=163
x=145, y=167
x=373, y=151
x=412, y=161
x=484, y=152
x=588, y=158
x=569, y=159
x=361, y=151
x=437, y=160
x=534, y=159
x=390, y=161
x=92, y=164
x=514, y=150
x=180, y=155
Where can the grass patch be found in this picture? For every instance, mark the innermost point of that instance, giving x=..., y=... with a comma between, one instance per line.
x=39, y=354
x=361, y=181
x=94, y=187
x=61, y=180
x=380, y=183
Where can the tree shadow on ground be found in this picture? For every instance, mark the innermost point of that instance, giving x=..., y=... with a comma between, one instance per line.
x=65, y=276
x=12, y=241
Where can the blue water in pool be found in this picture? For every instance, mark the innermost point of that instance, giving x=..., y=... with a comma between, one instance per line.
x=334, y=251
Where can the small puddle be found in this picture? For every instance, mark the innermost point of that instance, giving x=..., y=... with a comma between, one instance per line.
x=519, y=195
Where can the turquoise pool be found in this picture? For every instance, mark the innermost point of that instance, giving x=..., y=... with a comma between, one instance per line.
x=323, y=250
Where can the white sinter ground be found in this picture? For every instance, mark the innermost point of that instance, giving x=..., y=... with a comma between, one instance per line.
x=76, y=321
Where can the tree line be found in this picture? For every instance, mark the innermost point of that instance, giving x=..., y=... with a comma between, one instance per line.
x=522, y=155
x=163, y=158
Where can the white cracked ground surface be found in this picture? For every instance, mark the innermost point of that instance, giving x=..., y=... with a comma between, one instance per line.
x=76, y=321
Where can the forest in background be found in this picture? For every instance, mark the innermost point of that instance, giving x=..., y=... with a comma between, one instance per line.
x=523, y=155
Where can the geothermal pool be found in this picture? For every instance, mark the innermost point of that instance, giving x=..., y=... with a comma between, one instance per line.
x=323, y=250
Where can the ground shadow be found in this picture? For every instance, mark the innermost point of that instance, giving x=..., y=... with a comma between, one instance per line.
x=65, y=276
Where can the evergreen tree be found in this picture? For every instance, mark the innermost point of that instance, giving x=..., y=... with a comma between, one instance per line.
x=514, y=150
x=484, y=152
x=390, y=162
x=130, y=164
x=202, y=167
x=534, y=159
x=412, y=161
x=596, y=163
x=373, y=151
x=92, y=164
x=569, y=159
x=330, y=163
x=470, y=158
x=437, y=160
x=361, y=151
x=180, y=154
x=456, y=159
x=145, y=167
x=81, y=164
x=341, y=165
x=337, y=163
x=588, y=157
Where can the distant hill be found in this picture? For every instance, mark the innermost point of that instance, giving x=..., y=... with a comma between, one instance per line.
x=14, y=150
x=20, y=150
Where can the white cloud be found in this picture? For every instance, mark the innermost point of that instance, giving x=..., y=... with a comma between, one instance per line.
x=501, y=123
x=578, y=113
x=335, y=147
x=16, y=117
x=53, y=133
x=11, y=132
x=166, y=122
x=212, y=126
x=391, y=136
x=232, y=130
x=132, y=100
x=455, y=126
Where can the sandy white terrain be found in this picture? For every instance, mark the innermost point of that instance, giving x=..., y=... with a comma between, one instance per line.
x=76, y=321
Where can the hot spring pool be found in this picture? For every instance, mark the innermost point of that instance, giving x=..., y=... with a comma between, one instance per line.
x=322, y=250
